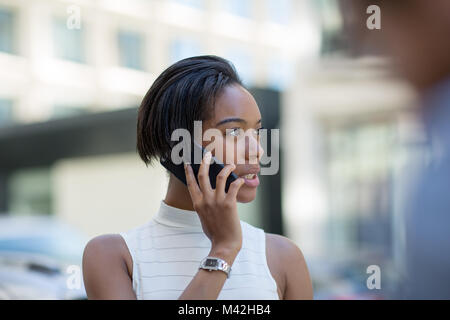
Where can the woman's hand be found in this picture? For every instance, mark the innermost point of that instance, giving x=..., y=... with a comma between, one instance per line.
x=216, y=208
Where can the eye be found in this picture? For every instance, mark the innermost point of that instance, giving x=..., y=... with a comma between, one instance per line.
x=235, y=132
x=259, y=130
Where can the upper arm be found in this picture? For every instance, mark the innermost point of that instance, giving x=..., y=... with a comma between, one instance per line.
x=105, y=272
x=298, y=281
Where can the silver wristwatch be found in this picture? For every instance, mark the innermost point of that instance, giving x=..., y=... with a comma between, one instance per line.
x=214, y=263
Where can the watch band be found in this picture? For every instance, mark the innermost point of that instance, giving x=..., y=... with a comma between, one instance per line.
x=213, y=263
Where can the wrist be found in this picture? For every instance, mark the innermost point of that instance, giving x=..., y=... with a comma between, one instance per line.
x=227, y=254
x=211, y=263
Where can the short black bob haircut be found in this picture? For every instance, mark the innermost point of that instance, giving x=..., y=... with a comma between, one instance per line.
x=185, y=92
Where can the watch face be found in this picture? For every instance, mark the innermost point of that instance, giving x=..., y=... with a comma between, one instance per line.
x=211, y=262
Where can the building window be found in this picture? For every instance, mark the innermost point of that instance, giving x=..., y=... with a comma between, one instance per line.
x=334, y=37
x=279, y=11
x=240, y=8
x=7, y=18
x=360, y=170
x=131, y=49
x=69, y=43
x=198, y=4
x=184, y=48
x=6, y=112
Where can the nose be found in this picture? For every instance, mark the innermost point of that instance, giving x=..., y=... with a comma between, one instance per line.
x=254, y=148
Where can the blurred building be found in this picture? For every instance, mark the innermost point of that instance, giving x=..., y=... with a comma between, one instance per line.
x=343, y=117
x=50, y=68
x=61, y=59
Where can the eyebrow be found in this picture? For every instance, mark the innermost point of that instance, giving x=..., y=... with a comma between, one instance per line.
x=234, y=120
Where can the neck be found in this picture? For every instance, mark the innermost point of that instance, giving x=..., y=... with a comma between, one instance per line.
x=178, y=195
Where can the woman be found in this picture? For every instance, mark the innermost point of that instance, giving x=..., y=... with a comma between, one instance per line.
x=161, y=259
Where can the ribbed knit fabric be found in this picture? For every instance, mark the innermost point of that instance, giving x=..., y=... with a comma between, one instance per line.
x=167, y=251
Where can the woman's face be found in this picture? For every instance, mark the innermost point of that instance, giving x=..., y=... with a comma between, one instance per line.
x=238, y=119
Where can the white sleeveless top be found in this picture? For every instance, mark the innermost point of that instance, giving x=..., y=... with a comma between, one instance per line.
x=167, y=251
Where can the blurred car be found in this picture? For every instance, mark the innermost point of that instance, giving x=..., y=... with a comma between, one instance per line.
x=40, y=258
x=346, y=280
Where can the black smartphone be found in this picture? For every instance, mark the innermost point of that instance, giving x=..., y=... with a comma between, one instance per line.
x=214, y=168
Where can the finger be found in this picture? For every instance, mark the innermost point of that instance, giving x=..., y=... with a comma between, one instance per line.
x=234, y=189
x=203, y=174
x=192, y=185
x=222, y=179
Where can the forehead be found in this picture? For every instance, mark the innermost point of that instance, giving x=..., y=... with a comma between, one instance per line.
x=235, y=101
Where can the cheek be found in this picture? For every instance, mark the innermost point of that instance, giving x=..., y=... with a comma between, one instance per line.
x=229, y=150
x=234, y=150
x=225, y=150
x=219, y=147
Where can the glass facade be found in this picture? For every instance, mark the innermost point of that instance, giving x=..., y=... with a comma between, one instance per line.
x=131, y=49
x=7, y=18
x=360, y=166
x=333, y=35
x=68, y=43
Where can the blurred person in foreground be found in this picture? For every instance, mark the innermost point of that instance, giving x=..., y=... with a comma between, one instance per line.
x=415, y=34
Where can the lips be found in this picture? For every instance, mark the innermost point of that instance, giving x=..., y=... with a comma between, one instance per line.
x=254, y=182
x=249, y=173
x=251, y=176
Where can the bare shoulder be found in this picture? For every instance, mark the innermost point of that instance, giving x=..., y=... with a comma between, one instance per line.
x=108, y=247
x=106, y=268
x=280, y=242
x=291, y=263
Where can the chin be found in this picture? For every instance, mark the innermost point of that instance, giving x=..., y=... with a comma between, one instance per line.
x=246, y=196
